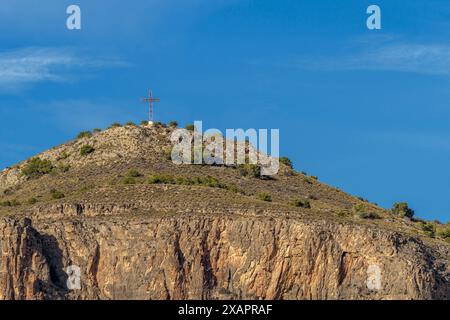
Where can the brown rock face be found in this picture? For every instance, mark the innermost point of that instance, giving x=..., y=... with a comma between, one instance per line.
x=199, y=257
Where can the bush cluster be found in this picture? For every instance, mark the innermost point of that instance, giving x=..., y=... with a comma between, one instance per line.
x=10, y=203
x=36, y=167
x=250, y=170
x=428, y=228
x=360, y=211
x=84, y=134
x=402, y=210
x=301, y=203
x=196, y=181
x=286, y=161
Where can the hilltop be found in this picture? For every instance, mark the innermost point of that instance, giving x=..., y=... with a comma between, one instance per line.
x=113, y=203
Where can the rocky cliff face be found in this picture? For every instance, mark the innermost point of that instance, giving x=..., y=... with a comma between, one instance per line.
x=128, y=238
x=200, y=257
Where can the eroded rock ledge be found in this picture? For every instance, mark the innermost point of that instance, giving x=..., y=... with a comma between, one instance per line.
x=204, y=257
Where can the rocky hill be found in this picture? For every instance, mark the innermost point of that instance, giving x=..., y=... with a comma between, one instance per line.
x=140, y=227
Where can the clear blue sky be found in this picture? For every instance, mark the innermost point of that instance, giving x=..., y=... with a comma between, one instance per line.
x=366, y=111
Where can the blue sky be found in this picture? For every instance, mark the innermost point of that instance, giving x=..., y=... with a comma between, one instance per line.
x=366, y=111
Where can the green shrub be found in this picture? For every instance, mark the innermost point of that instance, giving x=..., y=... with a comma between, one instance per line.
x=132, y=173
x=444, y=233
x=62, y=156
x=401, y=209
x=115, y=125
x=286, y=161
x=10, y=203
x=198, y=181
x=190, y=127
x=264, y=196
x=343, y=213
x=160, y=179
x=96, y=130
x=360, y=211
x=37, y=167
x=84, y=134
x=144, y=123
x=301, y=203
x=173, y=124
x=158, y=124
x=86, y=149
x=428, y=228
x=129, y=180
x=130, y=124
x=250, y=170
x=55, y=194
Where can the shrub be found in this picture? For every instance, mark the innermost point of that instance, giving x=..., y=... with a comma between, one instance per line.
x=37, y=167
x=158, y=124
x=343, y=213
x=368, y=215
x=84, y=134
x=86, y=149
x=160, y=179
x=360, y=211
x=115, y=125
x=10, y=203
x=173, y=124
x=314, y=177
x=62, y=156
x=199, y=181
x=96, y=130
x=190, y=127
x=301, y=203
x=130, y=124
x=56, y=194
x=444, y=233
x=428, y=228
x=129, y=180
x=264, y=197
x=401, y=209
x=250, y=170
x=144, y=123
x=286, y=161
x=132, y=173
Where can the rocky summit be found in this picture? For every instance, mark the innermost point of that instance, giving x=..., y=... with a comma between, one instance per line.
x=109, y=216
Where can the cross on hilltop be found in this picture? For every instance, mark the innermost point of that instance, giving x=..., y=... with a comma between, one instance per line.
x=150, y=101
